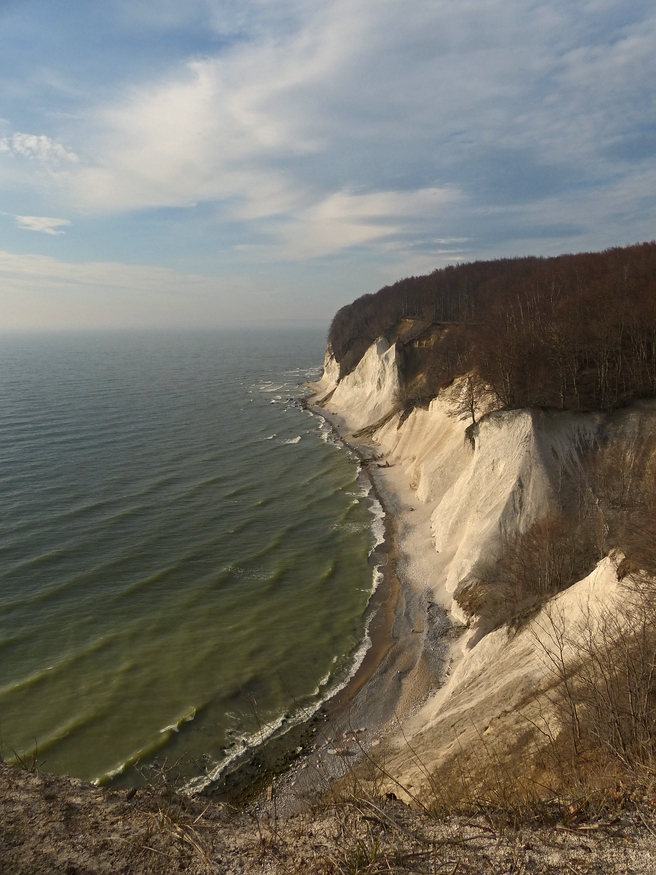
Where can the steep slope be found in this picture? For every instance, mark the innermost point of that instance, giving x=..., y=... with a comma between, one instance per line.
x=483, y=485
x=502, y=706
x=369, y=392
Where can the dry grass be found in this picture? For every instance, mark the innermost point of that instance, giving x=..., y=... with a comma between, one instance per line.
x=589, y=747
x=52, y=824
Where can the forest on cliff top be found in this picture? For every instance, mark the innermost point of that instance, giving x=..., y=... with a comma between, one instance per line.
x=575, y=332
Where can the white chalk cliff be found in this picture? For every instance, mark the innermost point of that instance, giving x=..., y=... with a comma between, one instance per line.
x=476, y=491
x=367, y=393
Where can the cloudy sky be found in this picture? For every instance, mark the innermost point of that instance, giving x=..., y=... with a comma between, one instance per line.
x=201, y=162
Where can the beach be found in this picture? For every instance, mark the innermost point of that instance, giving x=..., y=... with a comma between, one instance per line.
x=458, y=690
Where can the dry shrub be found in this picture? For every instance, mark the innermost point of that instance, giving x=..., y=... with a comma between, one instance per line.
x=546, y=559
x=620, y=484
x=600, y=750
x=588, y=747
x=607, y=692
x=639, y=543
x=614, y=508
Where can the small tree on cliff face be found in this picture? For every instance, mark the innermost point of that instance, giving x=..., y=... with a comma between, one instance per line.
x=547, y=558
x=467, y=397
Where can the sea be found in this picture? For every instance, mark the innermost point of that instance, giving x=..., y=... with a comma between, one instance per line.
x=185, y=549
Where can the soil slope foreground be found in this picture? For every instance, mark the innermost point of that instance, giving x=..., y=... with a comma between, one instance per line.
x=53, y=824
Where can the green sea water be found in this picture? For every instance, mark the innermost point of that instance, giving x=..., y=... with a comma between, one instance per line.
x=184, y=550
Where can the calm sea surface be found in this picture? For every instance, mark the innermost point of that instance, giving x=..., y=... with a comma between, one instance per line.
x=183, y=548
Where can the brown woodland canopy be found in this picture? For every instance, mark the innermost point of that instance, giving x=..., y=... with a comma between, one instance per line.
x=572, y=332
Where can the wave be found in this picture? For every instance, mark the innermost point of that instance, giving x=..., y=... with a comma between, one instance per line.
x=115, y=542
x=272, y=388
x=25, y=683
x=328, y=435
x=45, y=743
x=324, y=691
x=279, y=726
x=378, y=525
x=63, y=664
x=142, y=753
x=156, y=577
x=187, y=717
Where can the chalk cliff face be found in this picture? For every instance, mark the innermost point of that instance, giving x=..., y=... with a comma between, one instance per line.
x=482, y=484
x=367, y=393
x=500, y=704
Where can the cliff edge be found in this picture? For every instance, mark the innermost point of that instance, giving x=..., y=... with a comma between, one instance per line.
x=533, y=528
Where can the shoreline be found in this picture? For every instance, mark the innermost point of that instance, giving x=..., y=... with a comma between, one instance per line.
x=384, y=601
x=403, y=597
x=407, y=658
x=401, y=666
x=295, y=764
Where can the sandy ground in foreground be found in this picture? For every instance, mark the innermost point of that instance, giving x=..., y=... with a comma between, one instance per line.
x=51, y=824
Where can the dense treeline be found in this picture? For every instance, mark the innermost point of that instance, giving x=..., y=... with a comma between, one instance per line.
x=575, y=331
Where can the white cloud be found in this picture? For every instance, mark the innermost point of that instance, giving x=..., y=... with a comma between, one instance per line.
x=346, y=219
x=36, y=161
x=41, y=223
x=37, y=147
x=281, y=122
x=342, y=124
x=224, y=17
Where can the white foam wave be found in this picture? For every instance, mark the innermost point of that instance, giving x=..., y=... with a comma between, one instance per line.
x=112, y=773
x=324, y=680
x=376, y=579
x=325, y=690
x=246, y=743
x=270, y=438
x=303, y=714
x=271, y=388
x=349, y=527
x=240, y=747
x=378, y=525
x=145, y=752
x=187, y=717
x=364, y=483
x=328, y=437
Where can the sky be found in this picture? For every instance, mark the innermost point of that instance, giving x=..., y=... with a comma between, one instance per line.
x=219, y=162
